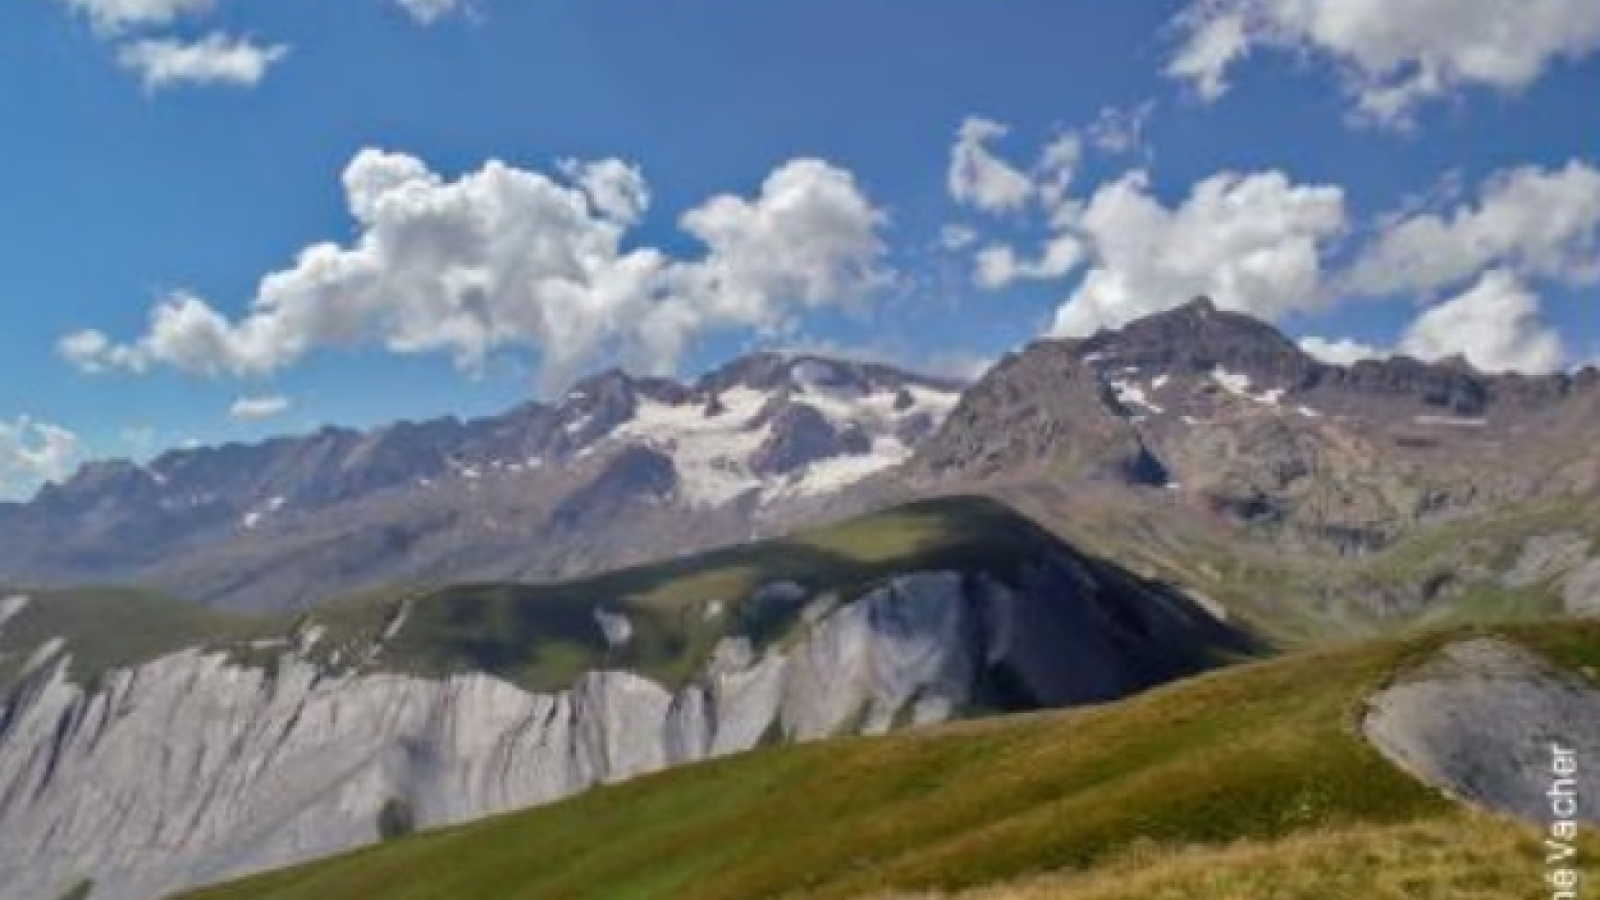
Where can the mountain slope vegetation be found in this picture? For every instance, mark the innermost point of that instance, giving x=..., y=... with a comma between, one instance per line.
x=1225, y=768
x=542, y=636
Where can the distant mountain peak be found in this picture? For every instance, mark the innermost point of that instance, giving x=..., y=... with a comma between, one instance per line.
x=1199, y=331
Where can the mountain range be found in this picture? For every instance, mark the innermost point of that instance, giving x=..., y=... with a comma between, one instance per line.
x=231, y=659
x=1179, y=443
x=619, y=470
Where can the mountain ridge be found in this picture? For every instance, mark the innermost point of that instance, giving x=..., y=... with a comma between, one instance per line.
x=752, y=440
x=1193, y=420
x=199, y=745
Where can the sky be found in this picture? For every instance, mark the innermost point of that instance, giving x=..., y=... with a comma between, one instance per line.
x=227, y=219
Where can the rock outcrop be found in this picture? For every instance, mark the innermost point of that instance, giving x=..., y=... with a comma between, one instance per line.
x=197, y=766
x=1480, y=721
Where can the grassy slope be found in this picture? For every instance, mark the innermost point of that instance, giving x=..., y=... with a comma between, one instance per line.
x=543, y=636
x=1460, y=857
x=1261, y=753
x=1300, y=599
x=107, y=628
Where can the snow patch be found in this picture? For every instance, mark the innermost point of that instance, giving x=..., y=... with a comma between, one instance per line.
x=1130, y=394
x=827, y=475
x=1236, y=383
x=712, y=452
x=1239, y=384
x=258, y=515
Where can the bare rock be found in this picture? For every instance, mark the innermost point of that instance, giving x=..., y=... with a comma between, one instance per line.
x=1480, y=722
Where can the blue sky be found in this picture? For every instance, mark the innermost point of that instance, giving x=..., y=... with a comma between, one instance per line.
x=1427, y=186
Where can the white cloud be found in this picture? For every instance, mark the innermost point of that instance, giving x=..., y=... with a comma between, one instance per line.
x=505, y=258
x=615, y=189
x=32, y=453
x=979, y=178
x=215, y=59
x=998, y=265
x=810, y=239
x=1217, y=38
x=1391, y=55
x=1496, y=325
x=254, y=409
x=1340, y=352
x=426, y=12
x=1538, y=223
x=1057, y=166
x=1254, y=243
x=90, y=351
x=1121, y=131
x=112, y=16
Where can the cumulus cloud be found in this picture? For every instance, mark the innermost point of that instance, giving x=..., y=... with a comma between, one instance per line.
x=112, y=16
x=977, y=177
x=32, y=453
x=615, y=189
x=1252, y=242
x=504, y=257
x=215, y=59
x=1538, y=223
x=255, y=409
x=1340, y=351
x=1391, y=55
x=1496, y=325
x=810, y=239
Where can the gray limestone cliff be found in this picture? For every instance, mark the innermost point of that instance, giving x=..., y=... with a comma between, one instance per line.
x=195, y=767
x=1481, y=721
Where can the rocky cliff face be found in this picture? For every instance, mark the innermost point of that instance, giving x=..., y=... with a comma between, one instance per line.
x=1482, y=721
x=196, y=766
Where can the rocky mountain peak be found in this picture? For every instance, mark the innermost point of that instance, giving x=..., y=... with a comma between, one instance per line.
x=780, y=371
x=1198, y=336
